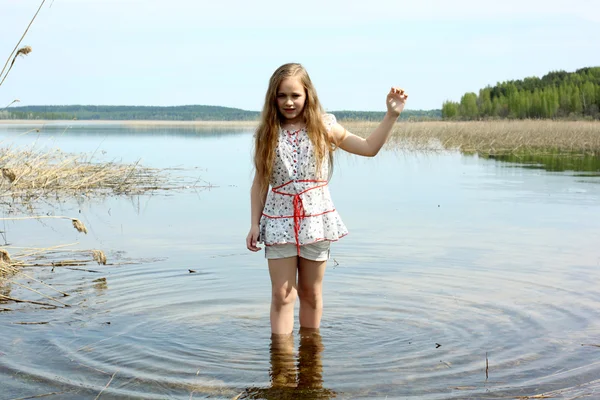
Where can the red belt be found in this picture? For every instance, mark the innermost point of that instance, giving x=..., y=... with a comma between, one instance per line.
x=299, y=211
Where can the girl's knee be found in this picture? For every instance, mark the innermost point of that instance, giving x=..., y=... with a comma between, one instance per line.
x=310, y=294
x=283, y=296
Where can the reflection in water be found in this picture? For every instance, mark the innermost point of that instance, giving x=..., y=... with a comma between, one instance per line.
x=551, y=162
x=507, y=268
x=283, y=372
x=100, y=285
x=133, y=130
x=289, y=380
x=5, y=288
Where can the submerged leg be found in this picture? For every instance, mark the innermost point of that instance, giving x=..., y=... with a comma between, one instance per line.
x=283, y=365
x=310, y=365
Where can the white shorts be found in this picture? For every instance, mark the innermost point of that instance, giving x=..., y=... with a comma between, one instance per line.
x=318, y=251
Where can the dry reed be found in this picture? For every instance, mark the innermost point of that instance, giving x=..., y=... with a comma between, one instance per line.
x=493, y=137
x=99, y=256
x=4, y=257
x=11, y=266
x=21, y=51
x=29, y=175
x=11, y=103
x=77, y=224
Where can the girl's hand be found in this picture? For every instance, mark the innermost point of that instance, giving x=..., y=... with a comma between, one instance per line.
x=396, y=99
x=252, y=239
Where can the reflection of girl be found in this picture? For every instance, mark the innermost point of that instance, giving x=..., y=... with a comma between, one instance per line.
x=289, y=382
x=283, y=371
x=297, y=219
x=310, y=365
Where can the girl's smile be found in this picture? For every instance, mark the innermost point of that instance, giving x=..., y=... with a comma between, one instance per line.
x=291, y=97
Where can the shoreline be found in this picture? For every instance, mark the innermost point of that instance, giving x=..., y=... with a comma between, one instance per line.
x=126, y=122
x=254, y=123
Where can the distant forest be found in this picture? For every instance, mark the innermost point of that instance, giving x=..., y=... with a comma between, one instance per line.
x=178, y=113
x=558, y=94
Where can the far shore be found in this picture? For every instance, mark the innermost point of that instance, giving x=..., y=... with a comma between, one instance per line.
x=126, y=122
x=251, y=124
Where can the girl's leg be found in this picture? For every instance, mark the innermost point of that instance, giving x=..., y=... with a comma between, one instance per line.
x=283, y=294
x=310, y=290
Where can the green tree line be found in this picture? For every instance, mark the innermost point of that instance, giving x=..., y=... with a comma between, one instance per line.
x=174, y=113
x=558, y=94
x=178, y=113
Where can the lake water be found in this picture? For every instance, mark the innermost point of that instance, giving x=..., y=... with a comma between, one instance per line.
x=450, y=259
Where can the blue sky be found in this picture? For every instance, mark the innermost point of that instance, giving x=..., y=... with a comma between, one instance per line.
x=157, y=52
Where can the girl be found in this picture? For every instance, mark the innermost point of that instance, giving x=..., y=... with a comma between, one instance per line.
x=296, y=219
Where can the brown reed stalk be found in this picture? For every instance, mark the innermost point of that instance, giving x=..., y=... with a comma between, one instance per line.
x=99, y=256
x=37, y=292
x=77, y=224
x=107, y=385
x=19, y=43
x=11, y=103
x=4, y=257
x=23, y=51
x=41, y=250
x=9, y=174
x=26, y=301
x=20, y=272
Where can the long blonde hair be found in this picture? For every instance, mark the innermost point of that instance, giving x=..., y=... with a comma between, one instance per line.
x=268, y=129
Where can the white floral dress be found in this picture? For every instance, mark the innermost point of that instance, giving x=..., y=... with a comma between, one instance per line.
x=299, y=208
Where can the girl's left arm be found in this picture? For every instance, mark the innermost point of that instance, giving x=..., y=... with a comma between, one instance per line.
x=370, y=146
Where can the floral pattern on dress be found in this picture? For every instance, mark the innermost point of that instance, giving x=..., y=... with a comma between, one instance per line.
x=294, y=165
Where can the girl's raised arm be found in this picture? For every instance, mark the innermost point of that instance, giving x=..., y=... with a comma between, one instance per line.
x=370, y=146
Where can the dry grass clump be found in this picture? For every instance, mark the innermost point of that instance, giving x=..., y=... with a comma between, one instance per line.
x=99, y=256
x=4, y=257
x=28, y=175
x=494, y=137
x=11, y=268
x=77, y=224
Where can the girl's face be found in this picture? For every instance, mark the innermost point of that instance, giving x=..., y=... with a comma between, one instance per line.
x=291, y=98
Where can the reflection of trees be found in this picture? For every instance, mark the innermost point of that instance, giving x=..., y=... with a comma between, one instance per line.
x=289, y=380
x=550, y=161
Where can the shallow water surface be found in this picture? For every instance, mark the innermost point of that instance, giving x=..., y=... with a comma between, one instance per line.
x=451, y=260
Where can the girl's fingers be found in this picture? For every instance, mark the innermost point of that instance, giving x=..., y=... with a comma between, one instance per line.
x=250, y=243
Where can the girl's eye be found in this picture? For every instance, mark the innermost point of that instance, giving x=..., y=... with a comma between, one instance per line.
x=296, y=96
